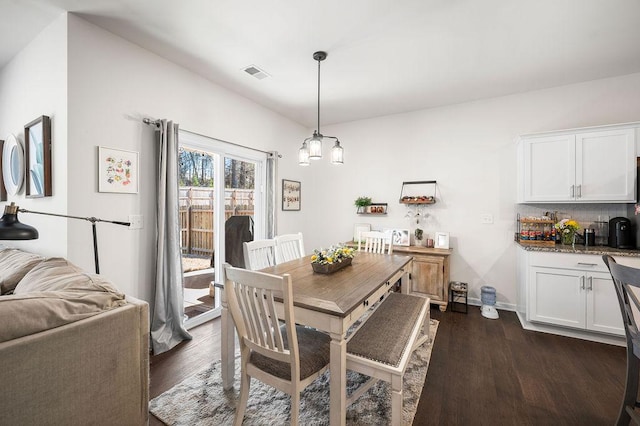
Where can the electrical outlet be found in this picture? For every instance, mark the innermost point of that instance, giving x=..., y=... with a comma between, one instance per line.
x=136, y=221
x=486, y=218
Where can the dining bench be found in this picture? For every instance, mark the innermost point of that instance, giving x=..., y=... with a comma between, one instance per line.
x=382, y=346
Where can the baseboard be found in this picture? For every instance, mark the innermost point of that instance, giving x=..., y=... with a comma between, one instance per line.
x=498, y=305
x=562, y=331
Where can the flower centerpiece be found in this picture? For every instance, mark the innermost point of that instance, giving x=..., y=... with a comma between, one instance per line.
x=326, y=261
x=567, y=229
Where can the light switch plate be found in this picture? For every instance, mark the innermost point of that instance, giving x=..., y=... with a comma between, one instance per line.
x=486, y=218
x=136, y=221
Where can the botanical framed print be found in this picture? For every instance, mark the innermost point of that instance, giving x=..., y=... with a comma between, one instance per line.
x=290, y=195
x=37, y=152
x=117, y=170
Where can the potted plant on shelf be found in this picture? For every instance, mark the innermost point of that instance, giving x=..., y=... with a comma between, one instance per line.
x=418, y=233
x=361, y=203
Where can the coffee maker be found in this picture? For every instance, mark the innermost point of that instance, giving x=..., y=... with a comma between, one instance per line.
x=621, y=233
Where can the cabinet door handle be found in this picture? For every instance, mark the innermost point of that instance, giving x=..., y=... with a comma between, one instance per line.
x=572, y=191
x=582, y=283
x=590, y=285
x=587, y=264
x=579, y=192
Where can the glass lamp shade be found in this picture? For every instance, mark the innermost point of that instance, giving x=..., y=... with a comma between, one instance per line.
x=303, y=155
x=337, y=154
x=315, y=147
x=12, y=229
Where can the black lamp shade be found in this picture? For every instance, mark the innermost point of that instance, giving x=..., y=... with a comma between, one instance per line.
x=12, y=229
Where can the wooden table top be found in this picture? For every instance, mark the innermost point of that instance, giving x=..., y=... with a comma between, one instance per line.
x=341, y=292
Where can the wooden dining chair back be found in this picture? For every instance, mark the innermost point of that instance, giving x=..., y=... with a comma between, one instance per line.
x=259, y=254
x=374, y=242
x=289, y=247
x=286, y=356
x=626, y=281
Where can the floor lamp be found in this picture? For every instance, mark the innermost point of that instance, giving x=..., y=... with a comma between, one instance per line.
x=12, y=229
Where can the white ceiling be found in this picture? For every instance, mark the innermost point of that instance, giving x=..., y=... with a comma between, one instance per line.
x=384, y=56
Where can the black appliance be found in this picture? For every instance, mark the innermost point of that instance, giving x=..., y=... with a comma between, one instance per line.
x=621, y=233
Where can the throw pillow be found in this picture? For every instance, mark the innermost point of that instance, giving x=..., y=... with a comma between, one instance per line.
x=14, y=265
x=58, y=274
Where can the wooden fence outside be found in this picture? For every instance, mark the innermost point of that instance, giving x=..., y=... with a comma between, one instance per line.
x=196, y=216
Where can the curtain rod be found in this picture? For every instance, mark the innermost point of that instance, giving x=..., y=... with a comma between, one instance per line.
x=157, y=124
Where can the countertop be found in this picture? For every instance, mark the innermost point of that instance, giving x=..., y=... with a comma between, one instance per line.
x=595, y=250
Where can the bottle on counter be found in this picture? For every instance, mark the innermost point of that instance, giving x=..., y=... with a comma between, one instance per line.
x=524, y=232
x=538, y=232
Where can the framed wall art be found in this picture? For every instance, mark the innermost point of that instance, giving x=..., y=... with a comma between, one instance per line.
x=12, y=165
x=3, y=190
x=290, y=195
x=117, y=170
x=37, y=152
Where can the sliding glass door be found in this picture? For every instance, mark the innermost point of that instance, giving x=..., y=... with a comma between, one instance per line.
x=221, y=204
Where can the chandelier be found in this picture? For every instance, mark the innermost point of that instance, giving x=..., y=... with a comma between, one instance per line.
x=312, y=147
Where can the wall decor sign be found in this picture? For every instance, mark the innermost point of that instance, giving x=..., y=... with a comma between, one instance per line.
x=117, y=170
x=12, y=165
x=37, y=150
x=3, y=190
x=290, y=195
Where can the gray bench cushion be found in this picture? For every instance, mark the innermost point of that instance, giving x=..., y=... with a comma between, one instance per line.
x=384, y=337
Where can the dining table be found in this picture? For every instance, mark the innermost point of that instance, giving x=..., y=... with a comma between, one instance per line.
x=330, y=303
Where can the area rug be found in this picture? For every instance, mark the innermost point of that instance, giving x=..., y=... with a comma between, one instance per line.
x=200, y=400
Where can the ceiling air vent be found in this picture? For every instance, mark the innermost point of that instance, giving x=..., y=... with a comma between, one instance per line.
x=256, y=72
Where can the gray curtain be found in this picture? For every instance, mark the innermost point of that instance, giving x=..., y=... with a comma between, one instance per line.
x=271, y=194
x=167, y=329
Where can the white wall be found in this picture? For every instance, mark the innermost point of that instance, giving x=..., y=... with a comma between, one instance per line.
x=470, y=150
x=33, y=84
x=112, y=85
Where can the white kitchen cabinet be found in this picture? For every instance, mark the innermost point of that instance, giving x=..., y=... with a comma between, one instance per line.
x=574, y=298
x=582, y=165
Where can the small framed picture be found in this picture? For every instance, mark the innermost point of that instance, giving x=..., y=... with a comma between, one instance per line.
x=441, y=240
x=290, y=195
x=358, y=228
x=399, y=237
x=37, y=152
x=117, y=170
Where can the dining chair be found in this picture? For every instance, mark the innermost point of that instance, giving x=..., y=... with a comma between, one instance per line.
x=259, y=254
x=625, y=280
x=289, y=247
x=374, y=242
x=288, y=357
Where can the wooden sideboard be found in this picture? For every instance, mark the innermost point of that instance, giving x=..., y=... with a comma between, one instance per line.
x=430, y=272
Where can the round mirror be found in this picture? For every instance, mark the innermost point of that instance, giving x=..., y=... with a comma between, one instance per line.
x=12, y=165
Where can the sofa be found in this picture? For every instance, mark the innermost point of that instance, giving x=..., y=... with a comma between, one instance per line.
x=74, y=350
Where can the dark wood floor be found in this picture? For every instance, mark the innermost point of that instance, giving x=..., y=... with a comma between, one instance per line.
x=482, y=372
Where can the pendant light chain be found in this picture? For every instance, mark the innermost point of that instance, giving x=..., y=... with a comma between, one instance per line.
x=319, y=61
x=313, y=150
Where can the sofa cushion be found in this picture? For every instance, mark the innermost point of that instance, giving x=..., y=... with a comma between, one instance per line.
x=57, y=274
x=30, y=313
x=14, y=265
